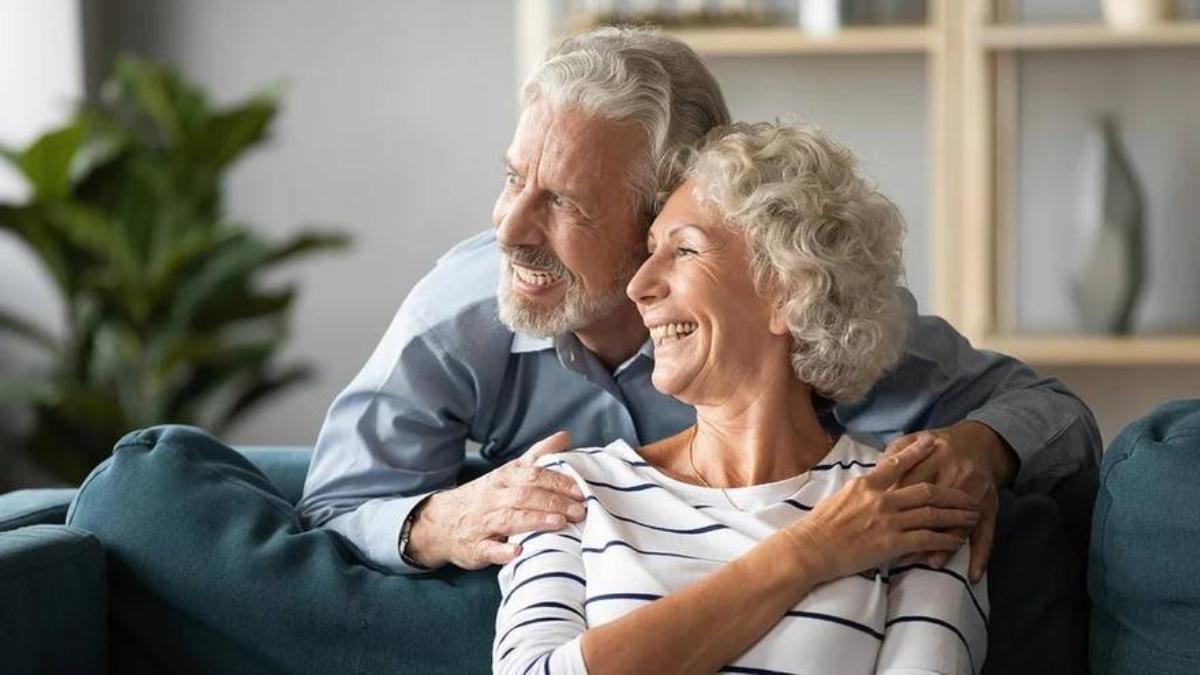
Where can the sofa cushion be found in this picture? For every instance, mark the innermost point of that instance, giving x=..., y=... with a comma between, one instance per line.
x=211, y=571
x=285, y=466
x=1145, y=544
x=34, y=507
x=52, y=601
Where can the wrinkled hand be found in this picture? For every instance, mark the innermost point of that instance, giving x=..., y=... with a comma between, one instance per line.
x=971, y=457
x=467, y=526
x=872, y=520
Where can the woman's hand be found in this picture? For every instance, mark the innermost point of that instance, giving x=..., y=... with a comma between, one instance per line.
x=870, y=521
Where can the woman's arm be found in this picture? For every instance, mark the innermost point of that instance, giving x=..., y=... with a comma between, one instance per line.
x=541, y=614
x=936, y=620
x=711, y=622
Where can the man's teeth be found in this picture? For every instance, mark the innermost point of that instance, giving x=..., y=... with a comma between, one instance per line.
x=672, y=331
x=535, y=278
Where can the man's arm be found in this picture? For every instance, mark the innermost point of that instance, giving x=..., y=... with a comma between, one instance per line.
x=391, y=449
x=393, y=436
x=942, y=380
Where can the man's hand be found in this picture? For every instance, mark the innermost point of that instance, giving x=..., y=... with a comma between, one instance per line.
x=467, y=526
x=971, y=457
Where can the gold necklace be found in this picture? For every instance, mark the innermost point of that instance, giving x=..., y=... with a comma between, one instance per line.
x=692, y=461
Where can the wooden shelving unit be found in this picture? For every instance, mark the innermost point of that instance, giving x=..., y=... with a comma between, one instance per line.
x=1090, y=350
x=971, y=51
x=1089, y=36
x=768, y=41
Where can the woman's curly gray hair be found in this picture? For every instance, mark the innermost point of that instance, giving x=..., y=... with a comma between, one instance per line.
x=824, y=244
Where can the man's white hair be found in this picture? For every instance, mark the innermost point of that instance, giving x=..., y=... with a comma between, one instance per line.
x=633, y=75
x=825, y=245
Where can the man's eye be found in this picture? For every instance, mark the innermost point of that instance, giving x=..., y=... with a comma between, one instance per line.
x=511, y=179
x=559, y=201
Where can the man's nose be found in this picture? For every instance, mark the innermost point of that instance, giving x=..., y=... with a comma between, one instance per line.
x=521, y=223
x=647, y=285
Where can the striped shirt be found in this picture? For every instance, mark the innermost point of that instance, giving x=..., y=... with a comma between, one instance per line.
x=647, y=535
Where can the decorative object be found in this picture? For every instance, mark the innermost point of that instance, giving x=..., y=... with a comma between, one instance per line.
x=820, y=17
x=1107, y=282
x=168, y=315
x=1136, y=14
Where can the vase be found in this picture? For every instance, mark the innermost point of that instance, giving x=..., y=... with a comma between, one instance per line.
x=1111, y=272
x=1136, y=14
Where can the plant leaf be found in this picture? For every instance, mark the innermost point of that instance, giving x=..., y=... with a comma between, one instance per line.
x=47, y=163
x=260, y=390
x=305, y=243
x=228, y=134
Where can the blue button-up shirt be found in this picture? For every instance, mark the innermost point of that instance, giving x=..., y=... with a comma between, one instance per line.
x=447, y=372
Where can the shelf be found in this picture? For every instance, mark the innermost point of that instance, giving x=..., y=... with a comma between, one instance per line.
x=786, y=40
x=1091, y=350
x=1089, y=36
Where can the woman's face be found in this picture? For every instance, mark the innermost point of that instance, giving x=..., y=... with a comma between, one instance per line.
x=714, y=336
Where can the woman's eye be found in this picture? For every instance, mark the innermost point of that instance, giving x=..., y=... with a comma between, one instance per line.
x=684, y=251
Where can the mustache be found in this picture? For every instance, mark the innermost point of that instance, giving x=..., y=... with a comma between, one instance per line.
x=535, y=258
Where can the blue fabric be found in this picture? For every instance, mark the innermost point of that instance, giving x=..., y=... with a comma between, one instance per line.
x=447, y=371
x=211, y=571
x=34, y=507
x=1145, y=543
x=284, y=466
x=53, y=614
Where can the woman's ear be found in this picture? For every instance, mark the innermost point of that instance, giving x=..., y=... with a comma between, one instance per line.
x=777, y=324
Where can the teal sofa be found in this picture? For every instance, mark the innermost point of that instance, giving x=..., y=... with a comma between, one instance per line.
x=75, y=598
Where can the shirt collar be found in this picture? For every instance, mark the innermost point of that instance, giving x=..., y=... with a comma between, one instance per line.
x=646, y=350
x=523, y=343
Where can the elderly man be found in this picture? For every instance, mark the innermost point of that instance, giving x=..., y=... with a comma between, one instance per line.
x=525, y=330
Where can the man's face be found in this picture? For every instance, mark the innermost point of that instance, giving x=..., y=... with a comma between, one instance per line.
x=566, y=220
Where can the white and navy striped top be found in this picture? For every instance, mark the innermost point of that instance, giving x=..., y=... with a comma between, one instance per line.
x=647, y=535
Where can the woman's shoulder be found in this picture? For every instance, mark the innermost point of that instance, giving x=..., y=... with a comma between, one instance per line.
x=854, y=450
x=596, y=463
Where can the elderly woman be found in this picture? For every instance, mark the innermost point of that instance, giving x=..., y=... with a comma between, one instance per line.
x=756, y=541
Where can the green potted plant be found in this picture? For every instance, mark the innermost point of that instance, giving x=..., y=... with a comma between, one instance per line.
x=169, y=315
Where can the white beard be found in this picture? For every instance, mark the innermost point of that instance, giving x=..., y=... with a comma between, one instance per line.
x=576, y=311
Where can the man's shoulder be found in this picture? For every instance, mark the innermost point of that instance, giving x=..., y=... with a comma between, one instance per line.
x=457, y=300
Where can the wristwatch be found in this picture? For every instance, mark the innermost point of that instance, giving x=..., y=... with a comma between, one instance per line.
x=405, y=533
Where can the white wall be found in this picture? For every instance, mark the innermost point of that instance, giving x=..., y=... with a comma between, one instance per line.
x=41, y=75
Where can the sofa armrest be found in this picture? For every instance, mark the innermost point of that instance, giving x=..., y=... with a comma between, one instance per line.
x=34, y=507
x=53, y=601
x=285, y=466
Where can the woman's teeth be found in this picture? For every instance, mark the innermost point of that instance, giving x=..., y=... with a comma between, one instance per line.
x=669, y=332
x=535, y=278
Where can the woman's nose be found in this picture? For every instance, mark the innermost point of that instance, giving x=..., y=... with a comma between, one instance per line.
x=647, y=285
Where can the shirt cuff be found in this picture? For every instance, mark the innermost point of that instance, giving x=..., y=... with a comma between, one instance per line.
x=1023, y=443
x=374, y=528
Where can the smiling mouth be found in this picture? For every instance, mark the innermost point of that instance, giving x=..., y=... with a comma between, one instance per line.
x=534, y=277
x=668, y=333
